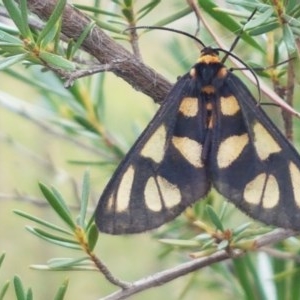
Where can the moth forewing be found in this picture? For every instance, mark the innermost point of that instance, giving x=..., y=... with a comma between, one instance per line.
x=268, y=167
x=163, y=173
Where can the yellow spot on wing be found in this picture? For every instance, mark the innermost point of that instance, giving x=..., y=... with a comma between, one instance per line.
x=189, y=107
x=189, y=149
x=152, y=195
x=271, y=193
x=124, y=190
x=264, y=143
x=230, y=149
x=264, y=190
x=295, y=178
x=155, y=146
x=229, y=106
x=159, y=191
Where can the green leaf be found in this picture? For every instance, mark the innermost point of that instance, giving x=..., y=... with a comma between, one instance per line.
x=128, y=3
x=128, y=14
x=98, y=94
x=19, y=289
x=264, y=28
x=223, y=245
x=241, y=228
x=12, y=60
x=214, y=217
x=43, y=86
x=51, y=40
x=51, y=236
x=24, y=14
x=10, y=29
x=96, y=10
x=90, y=223
x=226, y=21
x=223, y=210
x=282, y=283
x=11, y=49
x=145, y=10
x=58, y=205
x=62, y=290
x=291, y=5
x=250, y=5
x=2, y=259
x=296, y=63
x=181, y=243
x=4, y=290
x=69, y=50
x=294, y=287
x=289, y=40
x=8, y=38
x=67, y=262
x=91, y=163
x=51, y=23
x=92, y=236
x=82, y=37
x=102, y=24
x=42, y=222
x=262, y=18
x=6, y=284
x=108, y=26
x=19, y=18
x=174, y=17
x=54, y=239
x=85, y=123
x=292, y=21
x=29, y=295
x=242, y=275
x=57, y=61
x=84, y=199
x=76, y=268
x=58, y=195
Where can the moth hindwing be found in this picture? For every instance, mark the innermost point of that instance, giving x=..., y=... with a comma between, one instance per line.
x=209, y=131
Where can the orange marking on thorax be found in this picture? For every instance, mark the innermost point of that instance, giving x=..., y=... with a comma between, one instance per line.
x=209, y=59
x=208, y=89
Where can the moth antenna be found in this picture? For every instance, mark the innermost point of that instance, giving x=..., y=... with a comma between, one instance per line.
x=169, y=29
x=238, y=37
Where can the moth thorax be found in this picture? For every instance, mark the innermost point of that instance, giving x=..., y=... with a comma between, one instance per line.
x=209, y=59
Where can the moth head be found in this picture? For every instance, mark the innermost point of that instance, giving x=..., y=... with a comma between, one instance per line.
x=209, y=55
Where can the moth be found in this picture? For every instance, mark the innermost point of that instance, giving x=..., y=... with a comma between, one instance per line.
x=209, y=132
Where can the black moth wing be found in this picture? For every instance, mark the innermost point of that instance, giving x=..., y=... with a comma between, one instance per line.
x=157, y=179
x=262, y=173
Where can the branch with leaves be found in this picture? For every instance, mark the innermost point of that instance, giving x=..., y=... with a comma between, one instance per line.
x=168, y=275
x=104, y=49
x=83, y=235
